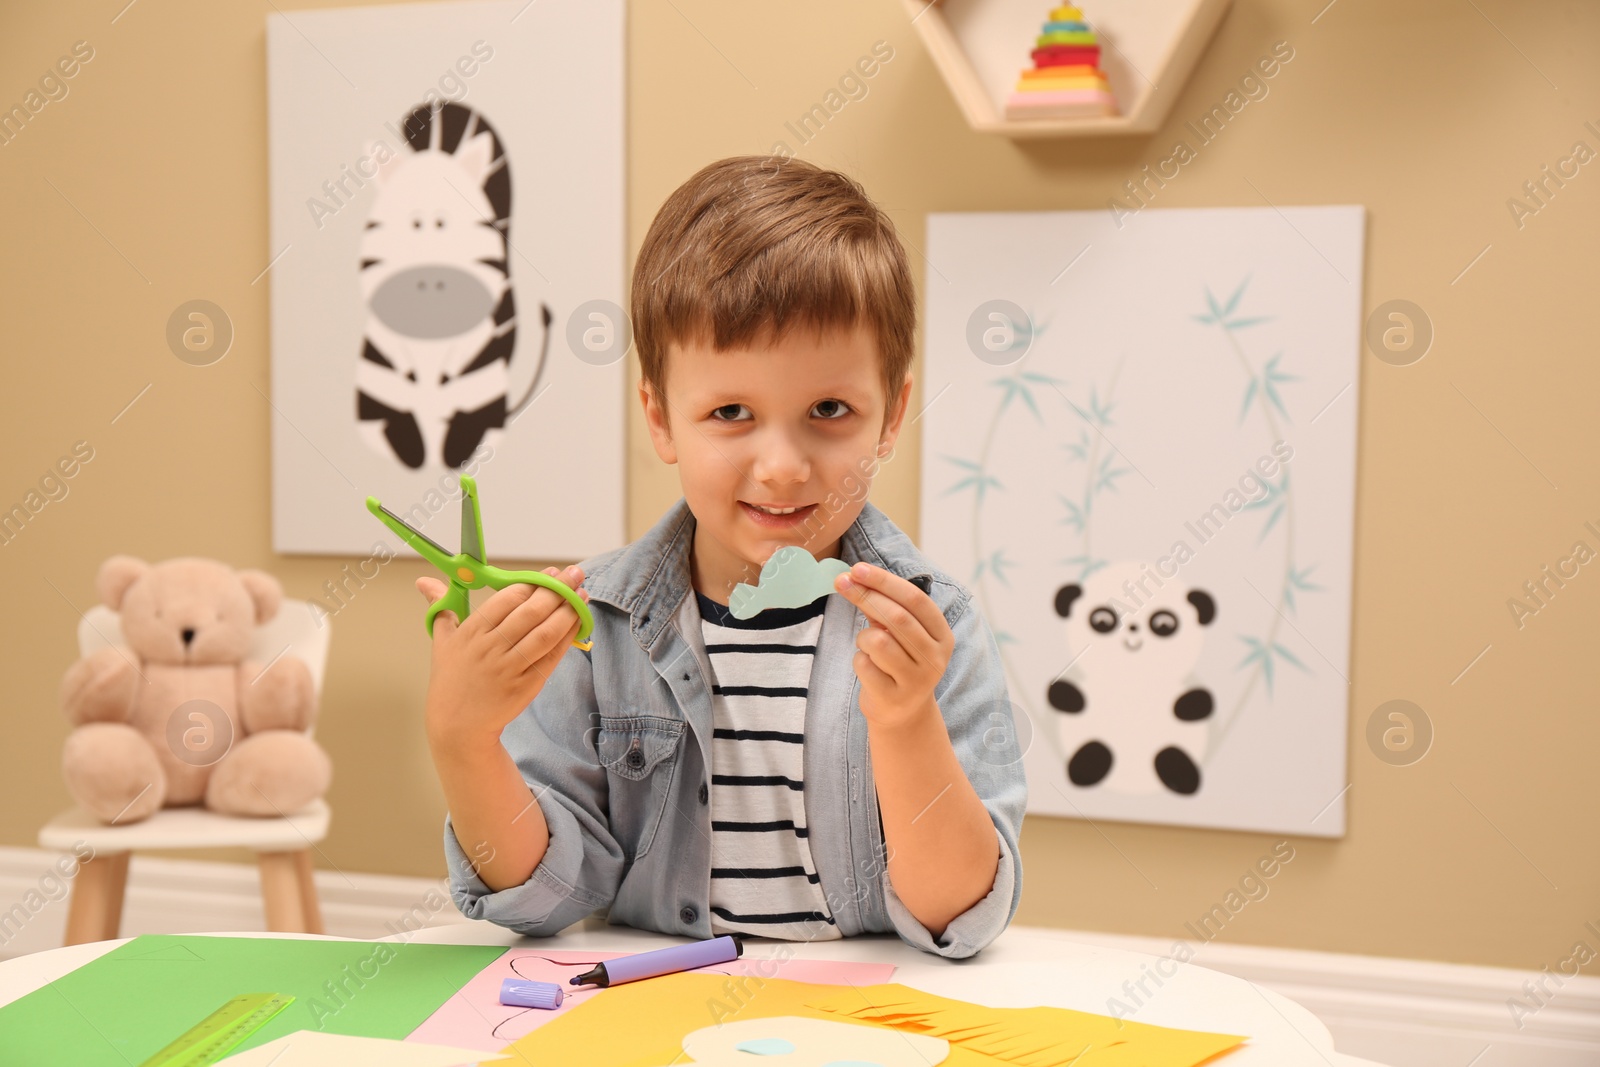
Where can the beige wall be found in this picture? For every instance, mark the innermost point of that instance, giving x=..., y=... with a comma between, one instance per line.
x=146, y=187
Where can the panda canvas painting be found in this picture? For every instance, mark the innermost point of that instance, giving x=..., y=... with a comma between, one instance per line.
x=447, y=270
x=1139, y=446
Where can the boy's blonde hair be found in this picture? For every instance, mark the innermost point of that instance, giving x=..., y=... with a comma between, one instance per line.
x=757, y=243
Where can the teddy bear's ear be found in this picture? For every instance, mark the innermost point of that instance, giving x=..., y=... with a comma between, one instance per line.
x=116, y=576
x=265, y=590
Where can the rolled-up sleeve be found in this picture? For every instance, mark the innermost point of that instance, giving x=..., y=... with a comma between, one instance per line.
x=981, y=722
x=552, y=743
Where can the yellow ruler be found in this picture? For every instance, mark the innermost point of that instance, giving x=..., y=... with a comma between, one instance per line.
x=214, y=1036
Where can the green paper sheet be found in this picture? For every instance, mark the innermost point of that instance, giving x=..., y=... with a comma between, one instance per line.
x=125, y=1006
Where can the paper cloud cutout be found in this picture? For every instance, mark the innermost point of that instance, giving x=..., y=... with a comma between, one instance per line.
x=791, y=578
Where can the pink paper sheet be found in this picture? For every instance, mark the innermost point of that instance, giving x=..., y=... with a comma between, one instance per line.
x=475, y=1018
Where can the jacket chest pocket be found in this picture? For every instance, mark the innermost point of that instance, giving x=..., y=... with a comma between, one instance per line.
x=640, y=755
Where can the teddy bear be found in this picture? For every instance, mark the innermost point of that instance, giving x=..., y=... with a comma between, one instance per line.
x=1131, y=722
x=179, y=716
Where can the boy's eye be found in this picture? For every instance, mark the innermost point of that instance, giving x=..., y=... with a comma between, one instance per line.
x=826, y=409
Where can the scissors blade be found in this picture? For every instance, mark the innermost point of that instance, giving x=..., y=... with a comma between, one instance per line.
x=404, y=528
x=471, y=519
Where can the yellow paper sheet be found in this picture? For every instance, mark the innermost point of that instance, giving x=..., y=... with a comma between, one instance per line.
x=1028, y=1037
x=642, y=1024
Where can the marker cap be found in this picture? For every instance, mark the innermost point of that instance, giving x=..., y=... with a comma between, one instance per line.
x=525, y=993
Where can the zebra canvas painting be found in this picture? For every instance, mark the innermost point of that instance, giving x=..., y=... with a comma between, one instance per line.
x=441, y=328
x=447, y=269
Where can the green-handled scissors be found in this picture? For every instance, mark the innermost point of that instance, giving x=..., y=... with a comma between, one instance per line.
x=467, y=570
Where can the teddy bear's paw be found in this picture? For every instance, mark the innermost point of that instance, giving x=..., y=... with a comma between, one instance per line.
x=101, y=687
x=271, y=774
x=279, y=698
x=112, y=771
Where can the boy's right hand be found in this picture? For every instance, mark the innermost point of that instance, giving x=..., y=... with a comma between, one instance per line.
x=487, y=669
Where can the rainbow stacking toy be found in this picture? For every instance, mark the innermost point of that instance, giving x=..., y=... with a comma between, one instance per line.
x=1066, y=81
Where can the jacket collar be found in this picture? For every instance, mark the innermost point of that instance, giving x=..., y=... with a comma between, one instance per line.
x=650, y=577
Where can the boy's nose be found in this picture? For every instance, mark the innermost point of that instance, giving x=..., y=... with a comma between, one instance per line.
x=780, y=461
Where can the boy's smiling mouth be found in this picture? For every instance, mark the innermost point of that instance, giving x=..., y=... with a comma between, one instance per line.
x=776, y=516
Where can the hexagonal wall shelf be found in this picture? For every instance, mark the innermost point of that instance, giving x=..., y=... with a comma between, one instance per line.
x=1148, y=49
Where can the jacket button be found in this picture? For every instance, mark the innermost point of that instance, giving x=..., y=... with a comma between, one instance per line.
x=636, y=759
x=703, y=793
x=687, y=915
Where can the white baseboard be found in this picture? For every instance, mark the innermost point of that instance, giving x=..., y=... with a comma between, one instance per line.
x=167, y=896
x=1411, y=1013
x=1405, y=1013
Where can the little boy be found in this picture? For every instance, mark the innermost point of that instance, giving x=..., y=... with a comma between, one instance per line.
x=840, y=768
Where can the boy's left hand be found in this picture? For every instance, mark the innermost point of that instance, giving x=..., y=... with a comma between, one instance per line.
x=903, y=653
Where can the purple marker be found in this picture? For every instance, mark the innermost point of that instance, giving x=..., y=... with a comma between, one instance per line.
x=526, y=993
x=663, y=961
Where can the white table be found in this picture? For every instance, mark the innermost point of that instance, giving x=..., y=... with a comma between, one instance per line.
x=1026, y=966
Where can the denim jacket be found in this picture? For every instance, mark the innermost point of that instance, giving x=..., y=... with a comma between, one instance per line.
x=617, y=750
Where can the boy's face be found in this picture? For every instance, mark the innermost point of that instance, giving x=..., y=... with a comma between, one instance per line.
x=799, y=423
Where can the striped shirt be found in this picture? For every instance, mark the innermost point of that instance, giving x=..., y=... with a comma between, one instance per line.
x=762, y=879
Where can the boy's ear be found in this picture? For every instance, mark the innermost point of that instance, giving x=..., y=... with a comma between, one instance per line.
x=657, y=420
x=897, y=414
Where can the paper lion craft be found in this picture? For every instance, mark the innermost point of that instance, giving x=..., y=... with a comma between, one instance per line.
x=795, y=1041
